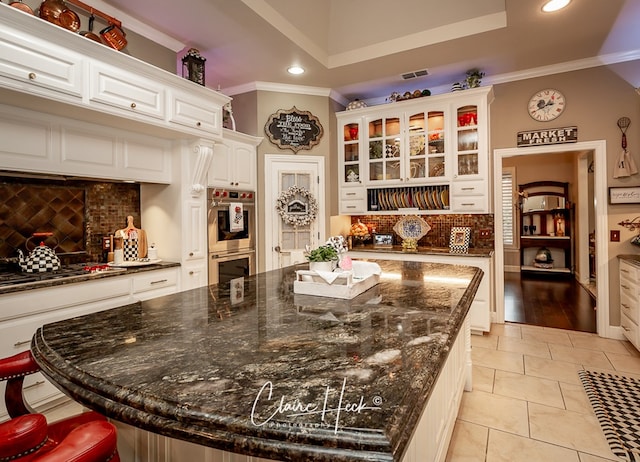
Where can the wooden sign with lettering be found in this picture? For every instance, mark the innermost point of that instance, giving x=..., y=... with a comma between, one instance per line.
x=548, y=136
x=294, y=129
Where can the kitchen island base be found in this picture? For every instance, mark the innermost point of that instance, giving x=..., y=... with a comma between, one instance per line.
x=429, y=442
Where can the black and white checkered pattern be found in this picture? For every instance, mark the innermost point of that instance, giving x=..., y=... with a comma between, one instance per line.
x=130, y=249
x=616, y=402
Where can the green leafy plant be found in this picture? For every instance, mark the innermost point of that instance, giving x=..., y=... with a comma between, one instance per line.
x=322, y=253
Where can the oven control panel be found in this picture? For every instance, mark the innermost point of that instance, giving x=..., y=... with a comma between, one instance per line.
x=216, y=195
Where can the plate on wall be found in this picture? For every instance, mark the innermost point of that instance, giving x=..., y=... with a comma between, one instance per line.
x=411, y=227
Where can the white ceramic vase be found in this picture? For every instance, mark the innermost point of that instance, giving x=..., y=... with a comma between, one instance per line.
x=326, y=266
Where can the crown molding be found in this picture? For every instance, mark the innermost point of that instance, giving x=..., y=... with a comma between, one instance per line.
x=278, y=88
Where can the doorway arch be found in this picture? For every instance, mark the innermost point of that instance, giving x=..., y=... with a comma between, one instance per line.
x=599, y=149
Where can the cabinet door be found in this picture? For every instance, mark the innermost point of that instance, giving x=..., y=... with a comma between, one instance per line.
x=194, y=111
x=384, y=145
x=128, y=92
x=146, y=159
x=244, y=167
x=194, y=276
x=468, y=162
x=195, y=230
x=427, y=146
x=349, y=152
x=39, y=66
x=220, y=169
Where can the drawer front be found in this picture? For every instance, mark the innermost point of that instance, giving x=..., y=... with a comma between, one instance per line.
x=130, y=92
x=468, y=188
x=629, y=272
x=154, y=280
x=39, y=63
x=199, y=114
x=353, y=206
x=629, y=307
x=114, y=290
x=629, y=329
x=469, y=204
x=349, y=194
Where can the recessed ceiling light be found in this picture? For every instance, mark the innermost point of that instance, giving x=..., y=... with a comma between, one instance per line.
x=555, y=5
x=295, y=70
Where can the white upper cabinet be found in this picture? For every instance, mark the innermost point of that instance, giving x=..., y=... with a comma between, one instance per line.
x=409, y=154
x=40, y=59
x=133, y=94
x=195, y=111
x=39, y=66
x=234, y=164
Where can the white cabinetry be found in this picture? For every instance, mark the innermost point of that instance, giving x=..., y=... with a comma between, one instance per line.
x=39, y=66
x=196, y=111
x=481, y=307
x=429, y=153
x=40, y=59
x=630, y=300
x=24, y=312
x=132, y=94
x=50, y=144
x=234, y=163
x=150, y=284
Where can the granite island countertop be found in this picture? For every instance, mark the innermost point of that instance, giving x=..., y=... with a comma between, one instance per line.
x=262, y=371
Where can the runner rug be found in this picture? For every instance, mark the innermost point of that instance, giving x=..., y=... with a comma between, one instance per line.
x=616, y=402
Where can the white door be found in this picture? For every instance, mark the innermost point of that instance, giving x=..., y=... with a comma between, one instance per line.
x=285, y=242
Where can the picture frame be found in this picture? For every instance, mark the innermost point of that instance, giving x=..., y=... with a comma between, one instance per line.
x=459, y=239
x=383, y=240
x=624, y=195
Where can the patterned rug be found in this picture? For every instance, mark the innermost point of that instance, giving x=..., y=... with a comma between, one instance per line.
x=616, y=402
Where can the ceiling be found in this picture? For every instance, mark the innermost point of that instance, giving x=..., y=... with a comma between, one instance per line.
x=360, y=48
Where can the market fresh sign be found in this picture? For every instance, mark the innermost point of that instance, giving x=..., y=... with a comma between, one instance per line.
x=550, y=136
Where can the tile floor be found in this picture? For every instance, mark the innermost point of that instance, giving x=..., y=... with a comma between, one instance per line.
x=527, y=402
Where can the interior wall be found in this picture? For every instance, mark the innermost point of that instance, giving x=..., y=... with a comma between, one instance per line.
x=596, y=99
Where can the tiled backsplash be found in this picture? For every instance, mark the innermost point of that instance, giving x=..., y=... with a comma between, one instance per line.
x=440, y=228
x=79, y=213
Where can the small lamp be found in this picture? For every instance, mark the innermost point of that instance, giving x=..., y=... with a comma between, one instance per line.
x=193, y=66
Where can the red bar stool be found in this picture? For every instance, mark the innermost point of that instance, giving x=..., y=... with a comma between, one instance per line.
x=87, y=437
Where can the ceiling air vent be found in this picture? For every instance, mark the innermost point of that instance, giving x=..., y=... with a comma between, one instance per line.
x=414, y=74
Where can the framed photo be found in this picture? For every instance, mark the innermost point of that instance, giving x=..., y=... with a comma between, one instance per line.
x=624, y=195
x=383, y=240
x=459, y=240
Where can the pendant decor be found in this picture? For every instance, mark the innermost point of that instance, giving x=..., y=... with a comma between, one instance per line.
x=294, y=129
x=297, y=206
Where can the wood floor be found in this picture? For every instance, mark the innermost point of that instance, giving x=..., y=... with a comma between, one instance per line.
x=550, y=302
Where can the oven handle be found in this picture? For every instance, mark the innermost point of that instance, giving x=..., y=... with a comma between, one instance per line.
x=232, y=256
x=215, y=204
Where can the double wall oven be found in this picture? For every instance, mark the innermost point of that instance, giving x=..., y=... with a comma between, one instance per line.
x=232, y=241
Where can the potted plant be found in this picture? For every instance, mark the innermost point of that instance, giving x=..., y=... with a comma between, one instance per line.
x=322, y=258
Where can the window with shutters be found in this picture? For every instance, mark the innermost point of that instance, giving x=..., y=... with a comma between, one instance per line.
x=508, y=215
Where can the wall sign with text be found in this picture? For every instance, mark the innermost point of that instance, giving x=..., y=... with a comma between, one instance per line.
x=624, y=195
x=294, y=129
x=548, y=136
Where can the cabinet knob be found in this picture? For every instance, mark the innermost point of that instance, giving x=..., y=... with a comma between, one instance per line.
x=198, y=124
x=190, y=273
x=133, y=105
x=32, y=75
x=191, y=254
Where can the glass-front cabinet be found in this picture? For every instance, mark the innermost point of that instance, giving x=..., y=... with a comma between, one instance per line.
x=436, y=143
x=466, y=162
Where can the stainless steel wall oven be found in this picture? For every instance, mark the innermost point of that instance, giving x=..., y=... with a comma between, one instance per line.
x=231, y=234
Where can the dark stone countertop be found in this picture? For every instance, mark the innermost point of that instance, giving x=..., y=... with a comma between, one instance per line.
x=116, y=272
x=473, y=252
x=200, y=367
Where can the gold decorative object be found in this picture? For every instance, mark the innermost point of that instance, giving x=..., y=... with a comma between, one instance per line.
x=411, y=229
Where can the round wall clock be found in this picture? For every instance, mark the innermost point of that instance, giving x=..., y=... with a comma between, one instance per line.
x=546, y=105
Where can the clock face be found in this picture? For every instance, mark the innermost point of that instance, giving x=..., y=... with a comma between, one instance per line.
x=546, y=105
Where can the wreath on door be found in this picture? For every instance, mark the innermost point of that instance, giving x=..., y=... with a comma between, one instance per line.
x=296, y=219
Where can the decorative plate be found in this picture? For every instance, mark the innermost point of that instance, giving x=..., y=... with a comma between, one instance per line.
x=411, y=227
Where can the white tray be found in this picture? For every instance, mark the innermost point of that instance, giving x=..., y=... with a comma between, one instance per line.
x=129, y=264
x=345, y=286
